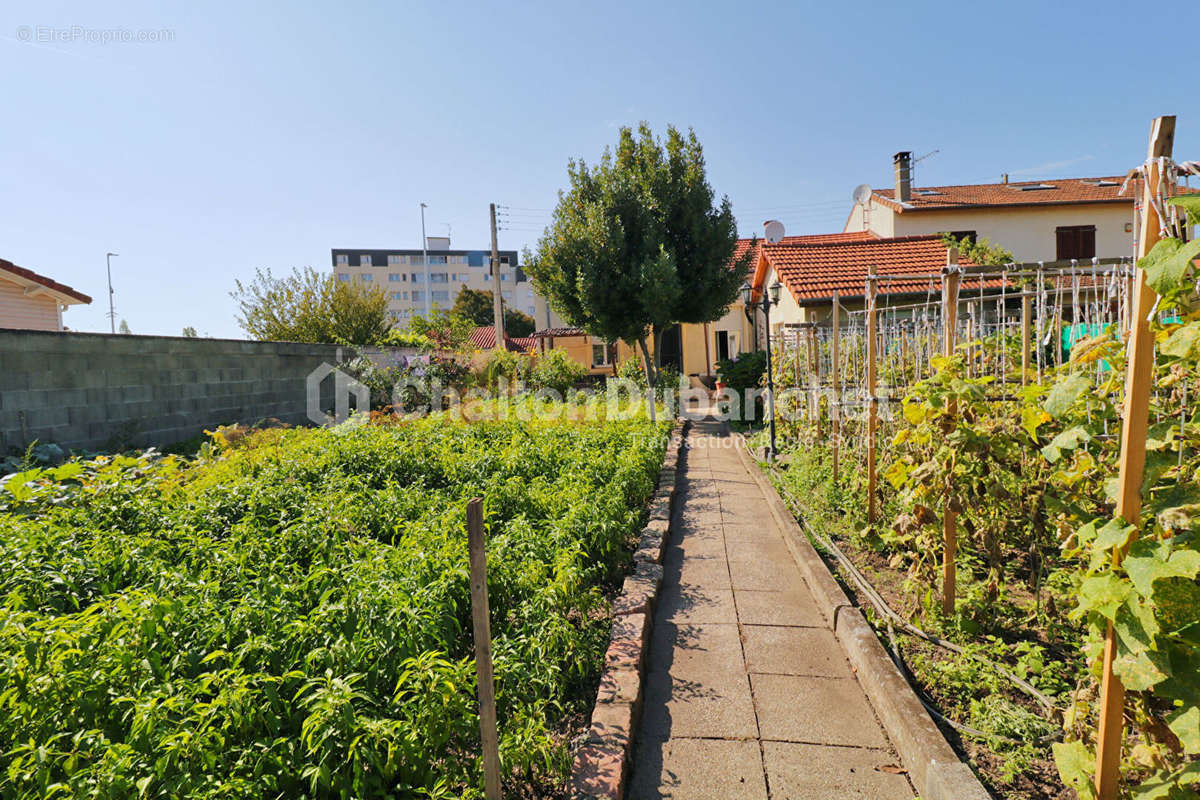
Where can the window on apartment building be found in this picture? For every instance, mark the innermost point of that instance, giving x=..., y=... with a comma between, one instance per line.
x=364, y=261
x=342, y=259
x=418, y=295
x=396, y=296
x=1075, y=241
x=417, y=277
x=343, y=276
x=440, y=296
x=394, y=260
x=393, y=277
x=438, y=277
x=437, y=259
x=366, y=277
x=405, y=295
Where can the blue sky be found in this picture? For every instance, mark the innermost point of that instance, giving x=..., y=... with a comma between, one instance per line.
x=262, y=135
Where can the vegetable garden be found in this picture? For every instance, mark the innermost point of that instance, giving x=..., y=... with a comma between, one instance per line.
x=288, y=614
x=1013, y=493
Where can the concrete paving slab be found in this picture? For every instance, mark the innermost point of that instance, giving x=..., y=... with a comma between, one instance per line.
x=794, y=651
x=777, y=576
x=795, y=708
x=764, y=548
x=709, y=705
x=698, y=769
x=814, y=772
x=794, y=607
x=694, y=604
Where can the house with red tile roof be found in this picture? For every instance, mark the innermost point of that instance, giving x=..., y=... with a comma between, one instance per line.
x=32, y=301
x=812, y=269
x=1042, y=220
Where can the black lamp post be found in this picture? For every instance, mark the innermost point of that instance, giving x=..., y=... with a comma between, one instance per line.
x=769, y=298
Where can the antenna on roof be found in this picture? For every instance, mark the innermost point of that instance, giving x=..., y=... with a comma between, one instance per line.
x=913, y=167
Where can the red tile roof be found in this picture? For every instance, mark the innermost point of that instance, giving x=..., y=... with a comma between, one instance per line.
x=1058, y=191
x=745, y=244
x=30, y=275
x=814, y=271
x=484, y=338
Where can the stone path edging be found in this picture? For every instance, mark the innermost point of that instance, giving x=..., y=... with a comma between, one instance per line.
x=602, y=765
x=932, y=764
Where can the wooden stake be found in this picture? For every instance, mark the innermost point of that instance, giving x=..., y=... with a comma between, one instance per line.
x=835, y=410
x=1133, y=456
x=817, y=379
x=1026, y=324
x=951, y=280
x=483, y=651
x=872, y=403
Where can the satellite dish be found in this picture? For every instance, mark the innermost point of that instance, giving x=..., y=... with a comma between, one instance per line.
x=862, y=193
x=774, y=231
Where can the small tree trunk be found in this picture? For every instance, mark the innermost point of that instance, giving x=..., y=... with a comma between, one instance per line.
x=649, y=363
x=651, y=376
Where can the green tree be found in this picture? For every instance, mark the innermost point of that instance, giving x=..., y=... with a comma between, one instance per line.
x=476, y=305
x=638, y=245
x=189, y=332
x=446, y=329
x=124, y=328
x=308, y=306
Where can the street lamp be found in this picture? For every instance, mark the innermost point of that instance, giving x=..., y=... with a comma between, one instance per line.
x=425, y=258
x=769, y=298
x=112, y=314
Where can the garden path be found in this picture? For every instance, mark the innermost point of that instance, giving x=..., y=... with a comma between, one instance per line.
x=747, y=692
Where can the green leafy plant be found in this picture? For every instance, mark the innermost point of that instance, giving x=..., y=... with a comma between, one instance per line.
x=288, y=615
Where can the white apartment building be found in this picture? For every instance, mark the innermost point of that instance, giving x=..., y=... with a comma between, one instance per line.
x=402, y=274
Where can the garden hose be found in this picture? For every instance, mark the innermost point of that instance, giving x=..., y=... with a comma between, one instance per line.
x=885, y=611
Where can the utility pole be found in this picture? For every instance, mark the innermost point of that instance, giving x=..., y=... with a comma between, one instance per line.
x=112, y=314
x=497, y=298
x=425, y=258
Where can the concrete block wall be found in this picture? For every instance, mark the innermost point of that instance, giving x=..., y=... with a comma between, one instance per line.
x=100, y=391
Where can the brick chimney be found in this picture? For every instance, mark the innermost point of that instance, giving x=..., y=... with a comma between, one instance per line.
x=903, y=164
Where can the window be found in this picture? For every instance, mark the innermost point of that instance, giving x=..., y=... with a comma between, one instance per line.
x=726, y=344
x=342, y=276
x=364, y=261
x=418, y=295
x=395, y=296
x=440, y=295
x=438, y=277
x=393, y=277
x=417, y=277
x=1076, y=241
x=603, y=355
x=437, y=259
x=394, y=260
x=342, y=259
x=405, y=295
x=365, y=277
